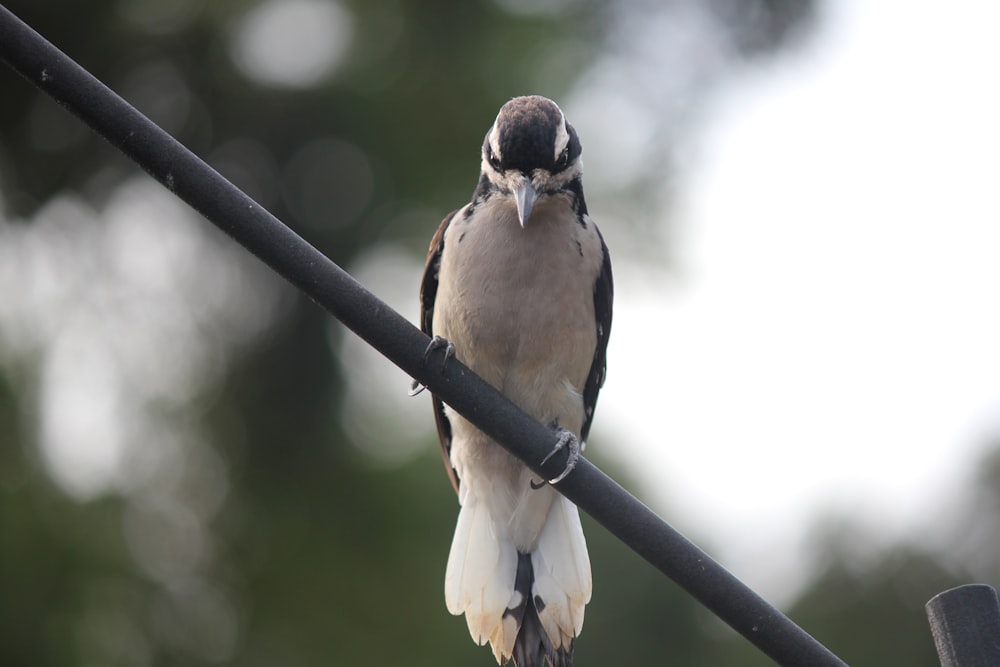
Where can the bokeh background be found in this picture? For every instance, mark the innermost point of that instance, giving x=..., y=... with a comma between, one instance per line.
x=198, y=466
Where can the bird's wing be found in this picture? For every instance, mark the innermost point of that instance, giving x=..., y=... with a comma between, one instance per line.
x=428, y=292
x=603, y=296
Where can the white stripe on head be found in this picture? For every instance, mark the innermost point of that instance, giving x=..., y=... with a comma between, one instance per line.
x=495, y=138
x=562, y=136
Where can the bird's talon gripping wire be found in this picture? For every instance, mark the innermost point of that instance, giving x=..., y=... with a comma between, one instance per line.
x=437, y=343
x=566, y=441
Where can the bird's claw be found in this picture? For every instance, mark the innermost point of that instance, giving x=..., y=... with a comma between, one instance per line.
x=566, y=441
x=437, y=343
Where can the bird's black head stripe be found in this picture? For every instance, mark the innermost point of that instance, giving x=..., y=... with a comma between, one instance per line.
x=527, y=129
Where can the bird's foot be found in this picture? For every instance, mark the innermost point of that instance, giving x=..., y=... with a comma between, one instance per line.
x=569, y=442
x=437, y=343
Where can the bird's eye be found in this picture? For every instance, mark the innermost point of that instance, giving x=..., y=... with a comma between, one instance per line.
x=492, y=158
x=563, y=159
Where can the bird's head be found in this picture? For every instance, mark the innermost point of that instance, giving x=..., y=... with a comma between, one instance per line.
x=531, y=152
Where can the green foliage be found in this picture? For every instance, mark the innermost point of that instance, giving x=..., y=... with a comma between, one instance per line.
x=309, y=555
x=875, y=615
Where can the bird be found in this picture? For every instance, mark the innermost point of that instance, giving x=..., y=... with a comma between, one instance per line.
x=518, y=286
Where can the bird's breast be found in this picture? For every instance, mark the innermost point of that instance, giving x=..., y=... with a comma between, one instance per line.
x=519, y=303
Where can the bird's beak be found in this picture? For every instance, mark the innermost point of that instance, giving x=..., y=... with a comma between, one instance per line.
x=524, y=196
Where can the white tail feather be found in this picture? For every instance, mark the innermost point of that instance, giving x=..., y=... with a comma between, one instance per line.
x=479, y=579
x=483, y=568
x=562, y=573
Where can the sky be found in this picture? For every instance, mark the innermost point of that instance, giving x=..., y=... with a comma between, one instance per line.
x=829, y=343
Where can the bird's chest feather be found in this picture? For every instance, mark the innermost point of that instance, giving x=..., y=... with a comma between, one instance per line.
x=520, y=300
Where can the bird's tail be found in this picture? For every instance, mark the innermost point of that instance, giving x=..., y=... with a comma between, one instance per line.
x=529, y=606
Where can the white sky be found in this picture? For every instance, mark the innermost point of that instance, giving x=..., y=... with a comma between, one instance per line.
x=832, y=342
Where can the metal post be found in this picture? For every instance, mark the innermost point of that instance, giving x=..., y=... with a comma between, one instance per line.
x=965, y=622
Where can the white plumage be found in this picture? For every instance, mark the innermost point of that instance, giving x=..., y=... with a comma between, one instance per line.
x=497, y=520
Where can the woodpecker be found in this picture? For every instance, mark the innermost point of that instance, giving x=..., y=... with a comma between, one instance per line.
x=518, y=287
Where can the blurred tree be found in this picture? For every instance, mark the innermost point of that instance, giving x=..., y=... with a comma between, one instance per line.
x=874, y=613
x=973, y=540
x=248, y=531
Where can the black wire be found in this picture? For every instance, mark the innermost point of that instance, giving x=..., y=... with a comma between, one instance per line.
x=191, y=179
